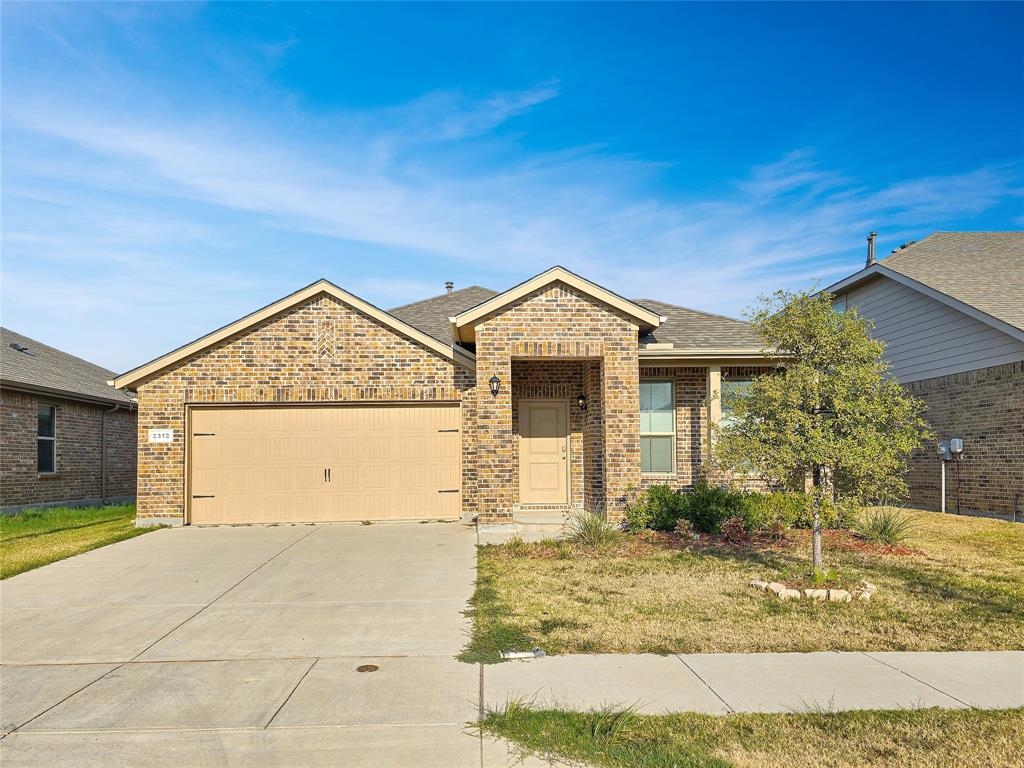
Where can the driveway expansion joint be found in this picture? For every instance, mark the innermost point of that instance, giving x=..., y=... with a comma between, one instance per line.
x=917, y=679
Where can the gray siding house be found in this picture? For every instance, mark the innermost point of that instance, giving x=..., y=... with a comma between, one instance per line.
x=950, y=309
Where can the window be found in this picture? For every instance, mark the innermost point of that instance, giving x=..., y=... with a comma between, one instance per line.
x=840, y=303
x=657, y=427
x=46, y=438
x=732, y=390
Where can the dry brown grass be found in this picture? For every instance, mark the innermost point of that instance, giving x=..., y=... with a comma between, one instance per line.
x=866, y=739
x=963, y=591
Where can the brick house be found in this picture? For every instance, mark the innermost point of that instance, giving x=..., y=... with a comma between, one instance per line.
x=950, y=309
x=67, y=437
x=555, y=394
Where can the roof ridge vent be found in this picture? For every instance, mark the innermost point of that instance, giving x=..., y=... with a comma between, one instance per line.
x=19, y=347
x=903, y=247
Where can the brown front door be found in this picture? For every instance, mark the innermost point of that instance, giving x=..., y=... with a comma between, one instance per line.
x=543, y=452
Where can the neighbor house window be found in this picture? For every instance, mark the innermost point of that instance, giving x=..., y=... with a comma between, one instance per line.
x=657, y=427
x=733, y=390
x=46, y=438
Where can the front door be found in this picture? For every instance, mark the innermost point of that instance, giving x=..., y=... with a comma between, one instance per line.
x=543, y=452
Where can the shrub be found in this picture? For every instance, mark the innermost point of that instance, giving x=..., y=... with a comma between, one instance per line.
x=658, y=507
x=885, y=525
x=589, y=530
x=735, y=530
x=767, y=511
x=707, y=507
x=684, y=528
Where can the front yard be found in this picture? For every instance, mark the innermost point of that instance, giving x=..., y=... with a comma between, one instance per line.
x=40, y=536
x=932, y=737
x=961, y=588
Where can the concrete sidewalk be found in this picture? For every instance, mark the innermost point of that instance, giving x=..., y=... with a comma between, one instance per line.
x=719, y=683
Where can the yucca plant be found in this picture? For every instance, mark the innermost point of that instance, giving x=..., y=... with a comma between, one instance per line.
x=885, y=525
x=589, y=530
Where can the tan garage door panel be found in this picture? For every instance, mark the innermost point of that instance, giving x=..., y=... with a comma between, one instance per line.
x=325, y=463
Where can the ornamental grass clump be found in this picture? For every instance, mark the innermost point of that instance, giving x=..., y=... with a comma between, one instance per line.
x=885, y=525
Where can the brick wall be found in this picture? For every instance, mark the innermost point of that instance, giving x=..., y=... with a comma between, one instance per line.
x=985, y=408
x=78, y=475
x=557, y=322
x=319, y=351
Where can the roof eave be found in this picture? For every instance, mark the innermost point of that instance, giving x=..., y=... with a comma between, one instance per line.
x=65, y=394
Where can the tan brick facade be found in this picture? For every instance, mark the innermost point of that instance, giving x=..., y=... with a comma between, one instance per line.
x=557, y=342
x=79, y=458
x=985, y=408
x=559, y=323
x=319, y=351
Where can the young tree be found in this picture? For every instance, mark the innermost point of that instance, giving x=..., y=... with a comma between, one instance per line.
x=830, y=411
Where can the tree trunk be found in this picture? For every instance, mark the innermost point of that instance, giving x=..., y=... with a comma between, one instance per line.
x=816, y=538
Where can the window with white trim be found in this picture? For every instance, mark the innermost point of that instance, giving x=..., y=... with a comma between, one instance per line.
x=657, y=427
x=46, y=438
x=732, y=391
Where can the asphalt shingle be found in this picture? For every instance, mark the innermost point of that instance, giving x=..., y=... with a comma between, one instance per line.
x=44, y=367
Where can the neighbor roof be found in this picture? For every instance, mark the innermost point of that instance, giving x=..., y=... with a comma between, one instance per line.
x=46, y=370
x=982, y=270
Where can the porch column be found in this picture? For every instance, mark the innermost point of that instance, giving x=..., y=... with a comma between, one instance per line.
x=495, y=457
x=714, y=395
x=621, y=402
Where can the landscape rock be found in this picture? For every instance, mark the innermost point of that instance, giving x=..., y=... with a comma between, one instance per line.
x=789, y=594
x=839, y=596
x=816, y=594
x=867, y=586
x=757, y=584
x=777, y=588
x=861, y=594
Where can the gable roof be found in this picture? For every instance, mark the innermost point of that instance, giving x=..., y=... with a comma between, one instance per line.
x=294, y=299
x=691, y=330
x=979, y=273
x=48, y=370
x=431, y=315
x=464, y=322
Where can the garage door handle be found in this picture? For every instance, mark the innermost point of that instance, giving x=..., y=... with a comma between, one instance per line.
x=201, y=496
x=450, y=490
x=203, y=434
x=447, y=430
x=328, y=474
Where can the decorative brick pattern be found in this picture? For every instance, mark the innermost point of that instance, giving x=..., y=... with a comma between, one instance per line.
x=985, y=408
x=79, y=433
x=281, y=360
x=558, y=323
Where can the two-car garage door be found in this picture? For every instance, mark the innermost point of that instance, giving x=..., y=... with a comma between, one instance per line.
x=268, y=464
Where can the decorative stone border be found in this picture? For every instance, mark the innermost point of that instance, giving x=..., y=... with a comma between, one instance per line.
x=864, y=591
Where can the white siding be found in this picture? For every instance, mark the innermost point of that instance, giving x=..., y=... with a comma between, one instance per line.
x=926, y=338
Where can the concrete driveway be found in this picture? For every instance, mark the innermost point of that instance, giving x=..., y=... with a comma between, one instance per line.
x=242, y=646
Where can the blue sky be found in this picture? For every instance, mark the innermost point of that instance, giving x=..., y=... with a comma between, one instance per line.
x=168, y=168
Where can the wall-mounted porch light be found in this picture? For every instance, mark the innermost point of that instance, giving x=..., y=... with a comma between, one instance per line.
x=581, y=400
x=495, y=382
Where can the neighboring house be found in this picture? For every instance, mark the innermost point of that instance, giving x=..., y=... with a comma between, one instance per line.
x=555, y=394
x=67, y=436
x=950, y=309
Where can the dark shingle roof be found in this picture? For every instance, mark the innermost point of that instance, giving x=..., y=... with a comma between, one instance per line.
x=44, y=368
x=982, y=269
x=431, y=315
x=692, y=329
x=685, y=328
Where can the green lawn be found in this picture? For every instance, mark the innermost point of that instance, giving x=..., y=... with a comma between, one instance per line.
x=40, y=536
x=863, y=739
x=962, y=590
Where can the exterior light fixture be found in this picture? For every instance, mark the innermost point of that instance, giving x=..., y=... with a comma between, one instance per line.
x=581, y=400
x=495, y=382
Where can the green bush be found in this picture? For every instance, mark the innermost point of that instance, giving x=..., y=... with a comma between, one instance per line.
x=768, y=511
x=708, y=506
x=886, y=525
x=657, y=507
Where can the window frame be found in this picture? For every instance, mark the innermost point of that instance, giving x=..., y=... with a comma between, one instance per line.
x=722, y=417
x=671, y=435
x=52, y=440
